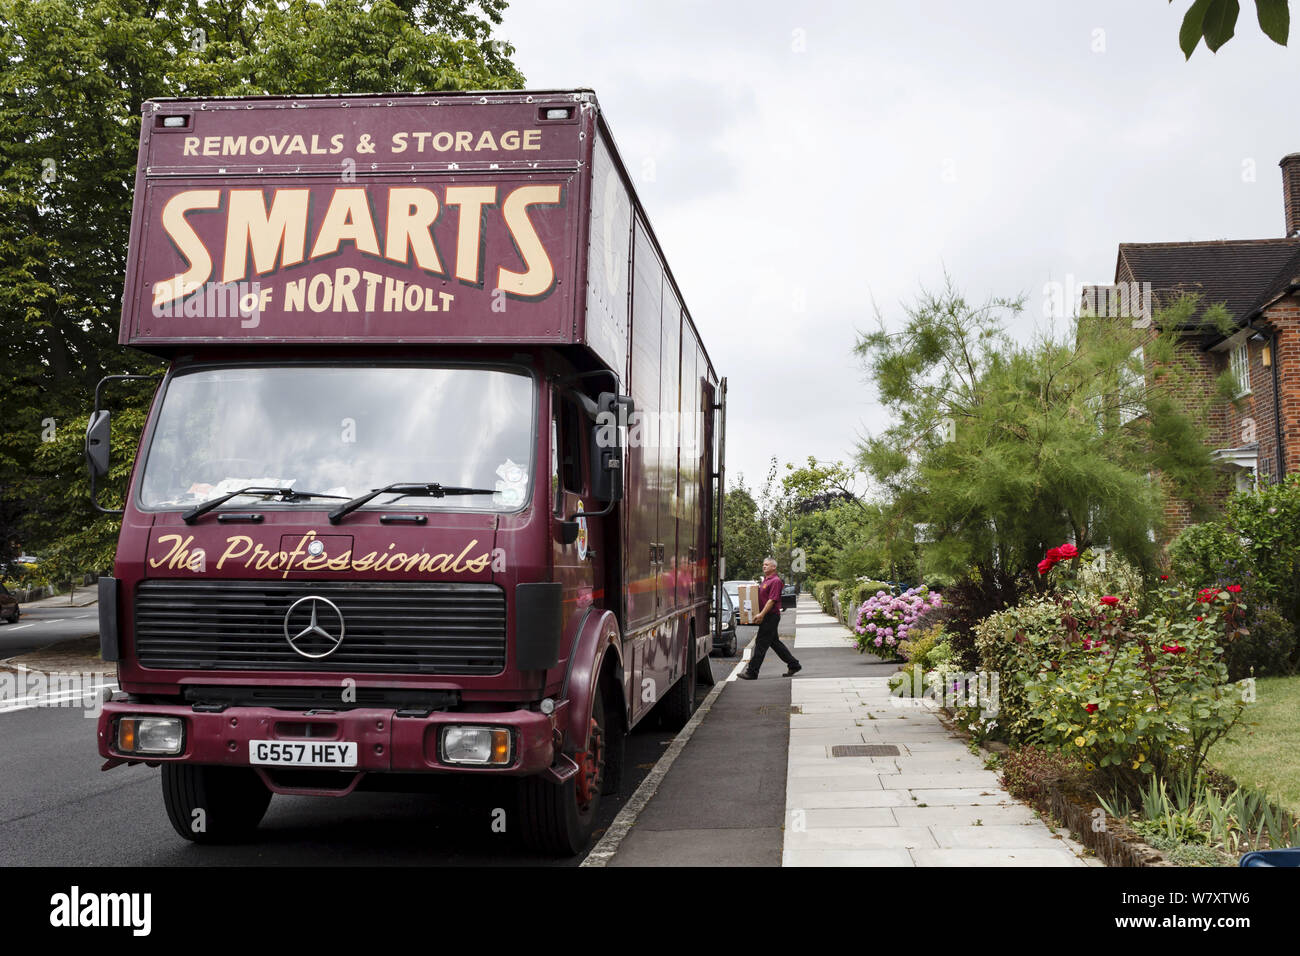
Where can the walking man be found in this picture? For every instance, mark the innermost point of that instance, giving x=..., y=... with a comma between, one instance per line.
x=769, y=618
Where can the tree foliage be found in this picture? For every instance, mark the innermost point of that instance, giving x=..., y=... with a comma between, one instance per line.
x=999, y=451
x=747, y=540
x=843, y=535
x=73, y=77
x=1215, y=22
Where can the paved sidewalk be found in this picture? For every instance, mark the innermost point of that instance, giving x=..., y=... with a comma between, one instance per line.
x=84, y=595
x=931, y=804
x=720, y=802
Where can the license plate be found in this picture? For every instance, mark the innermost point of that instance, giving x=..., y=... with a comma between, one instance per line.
x=294, y=753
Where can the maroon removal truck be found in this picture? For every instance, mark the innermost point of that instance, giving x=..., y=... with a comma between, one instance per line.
x=431, y=483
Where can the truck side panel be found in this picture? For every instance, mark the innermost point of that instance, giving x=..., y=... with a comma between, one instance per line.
x=688, y=547
x=669, y=436
x=642, y=500
x=609, y=256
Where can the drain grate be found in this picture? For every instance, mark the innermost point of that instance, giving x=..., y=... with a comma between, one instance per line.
x=864, y=750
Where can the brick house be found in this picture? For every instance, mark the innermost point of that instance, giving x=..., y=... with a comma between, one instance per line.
x=1256, y=439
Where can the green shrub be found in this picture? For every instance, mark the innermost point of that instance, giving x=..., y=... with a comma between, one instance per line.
x=1267, y=650
x=823, y=591
x=844, y=601
x=1253, y=544
x=927, y=640
x=1015, y=644
x=1206, y=554
x=1137, y=696
x=931, y=623
x=941, y=653
x=863, y=589
x=1101, y=573
x=929, y=661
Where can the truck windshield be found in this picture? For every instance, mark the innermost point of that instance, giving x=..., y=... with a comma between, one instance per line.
x=342, y=430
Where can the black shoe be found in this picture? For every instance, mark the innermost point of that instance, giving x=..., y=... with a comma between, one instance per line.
x=794, y=669
x=746, y=675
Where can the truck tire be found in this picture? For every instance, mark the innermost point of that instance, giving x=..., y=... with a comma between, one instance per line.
x=704, y=671
x=558, y=818
x=679, y=703
x=233, y=801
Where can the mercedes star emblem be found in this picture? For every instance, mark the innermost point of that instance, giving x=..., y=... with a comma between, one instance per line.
x=309, y=640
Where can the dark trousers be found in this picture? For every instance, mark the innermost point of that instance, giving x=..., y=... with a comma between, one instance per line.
x=768, y=637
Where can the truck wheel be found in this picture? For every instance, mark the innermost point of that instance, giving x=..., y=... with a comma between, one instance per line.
x=704, y=671
x=213, y=804
x=558, y=818
x=679, y=703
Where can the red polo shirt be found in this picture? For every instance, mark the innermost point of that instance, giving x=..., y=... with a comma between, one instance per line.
x=770, y=590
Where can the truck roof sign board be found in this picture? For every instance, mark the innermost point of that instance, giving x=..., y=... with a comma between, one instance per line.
x=385, y=219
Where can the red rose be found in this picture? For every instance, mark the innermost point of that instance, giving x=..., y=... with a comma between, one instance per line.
x=1164, y=577
x=1108, y=599
x=1053, y=554
x=1045, y=565
x=1090, y=708
x=1206, y=595
x=1234, y=588
x=1172, y=648
x=1066, y=551
x=1199, y=618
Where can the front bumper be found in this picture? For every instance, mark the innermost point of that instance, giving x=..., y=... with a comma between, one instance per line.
x=386, y=742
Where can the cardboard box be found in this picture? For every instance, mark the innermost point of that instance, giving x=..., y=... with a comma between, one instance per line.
x=749, y=606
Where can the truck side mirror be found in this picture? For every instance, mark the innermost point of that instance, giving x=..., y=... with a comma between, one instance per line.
x=607, y=446
x=97, y=436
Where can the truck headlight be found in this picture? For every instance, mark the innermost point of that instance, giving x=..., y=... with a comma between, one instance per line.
x=488, y=746
x=150, y=735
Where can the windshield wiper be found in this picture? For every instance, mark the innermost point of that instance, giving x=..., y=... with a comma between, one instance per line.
x=429, y=490
x=288, y=494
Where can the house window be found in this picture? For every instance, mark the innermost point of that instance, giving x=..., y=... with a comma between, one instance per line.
x=1246, y=480
x=1241, y=369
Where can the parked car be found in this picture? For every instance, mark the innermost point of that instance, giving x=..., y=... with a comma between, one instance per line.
x=726, y=641
x=789, y=596
x=733, y=588
x=9, y=609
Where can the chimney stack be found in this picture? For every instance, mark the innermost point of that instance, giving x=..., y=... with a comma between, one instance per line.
x=1291, y=192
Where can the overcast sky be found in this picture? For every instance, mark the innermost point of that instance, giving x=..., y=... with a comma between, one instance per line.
x=804, y=164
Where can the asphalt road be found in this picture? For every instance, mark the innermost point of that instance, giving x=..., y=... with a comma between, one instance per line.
x=39, y=627
x=58, y=809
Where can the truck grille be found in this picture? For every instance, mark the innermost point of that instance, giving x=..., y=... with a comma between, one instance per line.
x=418, y=628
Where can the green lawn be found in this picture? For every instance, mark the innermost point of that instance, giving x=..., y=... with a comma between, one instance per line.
x=1264, y=750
